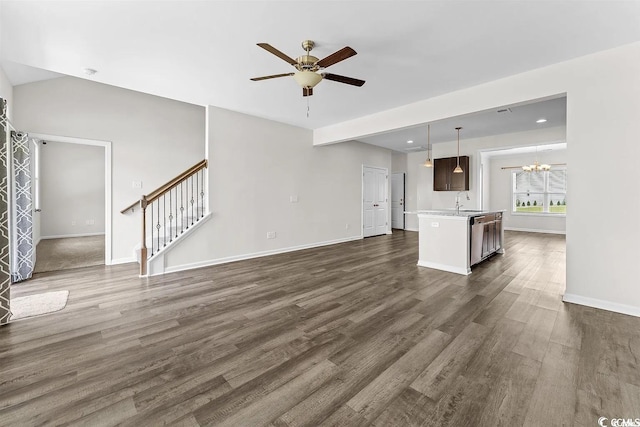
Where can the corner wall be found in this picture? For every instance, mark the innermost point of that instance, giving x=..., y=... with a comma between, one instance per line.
x=255, y=167
x=153, y=139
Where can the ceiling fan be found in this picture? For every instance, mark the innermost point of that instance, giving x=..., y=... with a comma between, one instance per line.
x=310, y=68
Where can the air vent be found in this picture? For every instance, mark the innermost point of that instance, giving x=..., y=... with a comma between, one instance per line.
x=420, y=148
x=504, y=110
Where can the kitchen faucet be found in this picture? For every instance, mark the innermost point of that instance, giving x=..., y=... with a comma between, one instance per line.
x=458, y=205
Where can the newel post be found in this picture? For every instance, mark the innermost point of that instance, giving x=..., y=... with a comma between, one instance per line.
x=143, y=246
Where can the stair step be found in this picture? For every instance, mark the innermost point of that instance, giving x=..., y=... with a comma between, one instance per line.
x=164, y=235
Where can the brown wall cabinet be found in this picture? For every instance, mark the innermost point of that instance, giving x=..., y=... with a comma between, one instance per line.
x=443, y=177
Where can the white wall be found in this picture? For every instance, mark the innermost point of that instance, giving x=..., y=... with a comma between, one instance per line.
x=398, y=162
x=153, y=139
x=71, y=189
x=501, y=193
x=6, y=92
x=255, y=166
x=603, y=106
x=420, y=179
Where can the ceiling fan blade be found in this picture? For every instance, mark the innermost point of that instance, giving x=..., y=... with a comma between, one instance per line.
x=343, y=79
x=274, y=76
x=307, y=91
x=341, y=55
x=276, y=52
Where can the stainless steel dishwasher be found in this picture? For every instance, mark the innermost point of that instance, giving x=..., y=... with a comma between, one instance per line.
x=477, y=236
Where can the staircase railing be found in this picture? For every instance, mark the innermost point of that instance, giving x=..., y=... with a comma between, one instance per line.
x=178, y=203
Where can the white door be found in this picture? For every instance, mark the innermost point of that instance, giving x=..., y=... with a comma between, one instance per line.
x=375, y=204
x=397, y=200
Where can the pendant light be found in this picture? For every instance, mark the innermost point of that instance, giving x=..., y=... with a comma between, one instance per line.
x=458, y=169
x=428, y=163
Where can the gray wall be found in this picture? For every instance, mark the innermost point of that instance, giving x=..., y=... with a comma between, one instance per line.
x=255, y=166
x=153, y=139
x=71, y=189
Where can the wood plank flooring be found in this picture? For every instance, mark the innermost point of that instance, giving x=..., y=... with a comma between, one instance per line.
x=347, y=335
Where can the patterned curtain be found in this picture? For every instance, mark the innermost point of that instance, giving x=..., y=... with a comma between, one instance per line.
x=5, y=282
x=23, y=252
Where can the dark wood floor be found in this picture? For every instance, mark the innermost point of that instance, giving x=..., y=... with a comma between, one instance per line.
x=352, y=334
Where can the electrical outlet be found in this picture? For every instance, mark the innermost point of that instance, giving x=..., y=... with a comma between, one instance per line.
x=346, y=226
x=293, y=199
x=90, y=222
x=271, y=234
x=136, y=184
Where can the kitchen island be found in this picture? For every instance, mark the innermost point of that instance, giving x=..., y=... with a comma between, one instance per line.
x=455, y=240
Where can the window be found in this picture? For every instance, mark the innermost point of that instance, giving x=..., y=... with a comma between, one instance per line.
x=540, y=192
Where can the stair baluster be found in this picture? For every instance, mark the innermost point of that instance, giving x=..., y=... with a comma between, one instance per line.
x=154, y=228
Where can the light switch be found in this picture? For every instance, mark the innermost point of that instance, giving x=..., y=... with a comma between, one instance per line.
x=136, y=184
x=435, y=224
x=293, y=199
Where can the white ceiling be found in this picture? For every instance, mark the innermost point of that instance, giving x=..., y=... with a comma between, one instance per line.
x=477, y=125
x=204, y=52
x=20, y=74
x=526, y=150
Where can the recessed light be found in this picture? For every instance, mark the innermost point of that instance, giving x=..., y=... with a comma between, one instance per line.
x=410, y=141
x=89, y=71
x=541, y=120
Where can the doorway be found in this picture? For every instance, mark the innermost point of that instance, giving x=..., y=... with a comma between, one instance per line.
x=72, y=198
x=374, y=201
x=397, y=200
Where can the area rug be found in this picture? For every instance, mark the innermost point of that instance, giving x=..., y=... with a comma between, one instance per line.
x=38, y=304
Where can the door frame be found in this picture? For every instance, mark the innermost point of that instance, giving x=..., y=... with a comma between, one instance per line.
x=404, y=198
x=386, y=170
x=107, y=181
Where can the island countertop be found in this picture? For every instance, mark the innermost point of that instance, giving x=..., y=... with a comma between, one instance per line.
x=463, y=213
x=454, y=241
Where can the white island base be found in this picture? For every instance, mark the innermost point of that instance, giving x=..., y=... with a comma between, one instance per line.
x=445, y=241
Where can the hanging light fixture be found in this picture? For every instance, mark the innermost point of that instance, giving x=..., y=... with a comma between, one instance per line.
x=428, y=163
x=458, y=169
x=536, y=166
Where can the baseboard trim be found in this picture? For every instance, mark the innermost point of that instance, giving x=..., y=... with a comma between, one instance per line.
x=445, y=267
x=123, y=260
x=63, y=236
x=411, y=229
x=534, y=230
x=243, y=257
x=602, y=304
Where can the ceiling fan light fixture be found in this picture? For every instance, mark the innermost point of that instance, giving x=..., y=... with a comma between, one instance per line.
x=307, y=79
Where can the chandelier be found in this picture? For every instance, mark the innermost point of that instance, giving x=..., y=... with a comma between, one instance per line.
x=536, y=166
